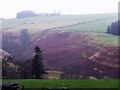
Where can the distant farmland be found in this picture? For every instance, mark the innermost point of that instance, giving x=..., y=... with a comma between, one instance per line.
x=35, y=24
x=40, y=24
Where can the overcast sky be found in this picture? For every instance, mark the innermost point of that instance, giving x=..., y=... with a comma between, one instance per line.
x=9, y=8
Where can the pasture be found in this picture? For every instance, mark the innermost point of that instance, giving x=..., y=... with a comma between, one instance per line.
x=67, y=23
x=37, y=24
x=36, y=83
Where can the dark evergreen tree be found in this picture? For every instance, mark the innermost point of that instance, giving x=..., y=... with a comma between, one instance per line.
x=114, y=28
x=37, y=64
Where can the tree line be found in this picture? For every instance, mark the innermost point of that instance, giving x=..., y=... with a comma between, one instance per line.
x=26, y=14
x=12, y=70
x=114, y=28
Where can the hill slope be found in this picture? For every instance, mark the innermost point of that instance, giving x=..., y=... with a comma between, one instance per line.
x=70, y=42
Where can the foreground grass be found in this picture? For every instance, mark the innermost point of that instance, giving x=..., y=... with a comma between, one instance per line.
x=36, y=83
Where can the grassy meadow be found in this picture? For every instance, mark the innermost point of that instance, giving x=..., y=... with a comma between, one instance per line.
x=36, y=24
x=33, y=83
x=96, y=29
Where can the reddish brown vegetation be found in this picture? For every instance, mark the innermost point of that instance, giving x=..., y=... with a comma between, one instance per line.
x=64, y=49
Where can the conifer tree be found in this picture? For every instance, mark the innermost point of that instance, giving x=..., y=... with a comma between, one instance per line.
x=37, y=64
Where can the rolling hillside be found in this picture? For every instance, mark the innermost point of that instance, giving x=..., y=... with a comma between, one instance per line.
x=36, y=24
x=78, y=41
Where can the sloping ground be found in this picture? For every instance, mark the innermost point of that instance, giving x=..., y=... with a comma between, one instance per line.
x=66, y=50
x=89, y=53
x=37, y=24
x=3, y=54
x=63, y=49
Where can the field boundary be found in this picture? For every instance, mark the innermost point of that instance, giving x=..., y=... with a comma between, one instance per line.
x=90, y=21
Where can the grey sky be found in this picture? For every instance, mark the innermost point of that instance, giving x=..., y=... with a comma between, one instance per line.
x=9, y=8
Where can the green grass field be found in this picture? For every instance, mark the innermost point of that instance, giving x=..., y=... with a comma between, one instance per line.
x=97, y=31
x=38, y=24
x=96, y=26
x=32, y=83
x=51, y=19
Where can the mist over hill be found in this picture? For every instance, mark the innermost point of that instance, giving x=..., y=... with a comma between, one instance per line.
x=72, y=44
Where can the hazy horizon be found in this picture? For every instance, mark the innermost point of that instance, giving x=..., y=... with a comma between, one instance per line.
x=9, y=9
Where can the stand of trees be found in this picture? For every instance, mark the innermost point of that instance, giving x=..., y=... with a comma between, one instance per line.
x=28, y=69
x=24, y=43
x=24, y=37
x=25, y=14
x=114, y=28
x=13, y=43
x=9, y=69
